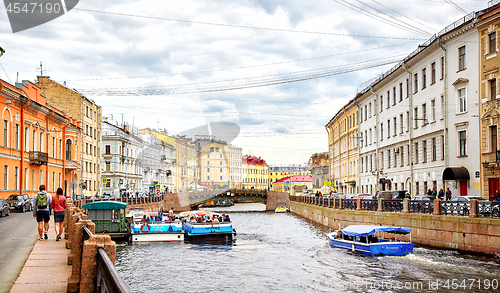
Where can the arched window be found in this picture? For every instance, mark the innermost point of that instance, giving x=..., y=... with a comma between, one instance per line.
x=68, y=149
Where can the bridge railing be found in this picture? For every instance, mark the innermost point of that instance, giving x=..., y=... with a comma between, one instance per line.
x=474, y=208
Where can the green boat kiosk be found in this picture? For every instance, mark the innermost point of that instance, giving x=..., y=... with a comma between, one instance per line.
x=109, y=218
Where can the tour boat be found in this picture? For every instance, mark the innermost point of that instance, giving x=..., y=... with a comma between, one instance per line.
x=156, y=230
x=281, y=208
x=207, y=231
x=361, y=239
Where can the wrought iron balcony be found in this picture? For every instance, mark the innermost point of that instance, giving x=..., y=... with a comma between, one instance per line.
x=39, y=158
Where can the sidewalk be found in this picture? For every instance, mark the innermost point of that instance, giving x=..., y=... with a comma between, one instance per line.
x=46, y=268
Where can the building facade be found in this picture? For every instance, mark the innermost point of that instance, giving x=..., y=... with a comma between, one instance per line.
x=295, y=184
x=278, y=172
x=489, y=77
x=220, y=163
x=320, y=171
x=343, y=145
x=39, y=144
x=419, y=120
x=122, y=156
x=88, y=113
x=255, y=173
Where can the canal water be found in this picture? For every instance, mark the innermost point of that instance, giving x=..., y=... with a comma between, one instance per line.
x=286, y=253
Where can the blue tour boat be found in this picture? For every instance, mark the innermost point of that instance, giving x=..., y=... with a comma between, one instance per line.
x=361, y=239
x=207, y=231
x=156, y=230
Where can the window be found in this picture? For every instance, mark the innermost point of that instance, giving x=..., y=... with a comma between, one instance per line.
x=493, y=42
x=415, y=83
x=424, y=114
x=395, y=125
x=381, y=104
x=53, y=147
x=381, y=160
x=389, y=128
x=41, y=141
x=401, y=123
x=16, y=137
x=402, y=156
x=388, y=158
x=5, y=132
x=442, y=147
x=463, y=143
x=369, y=110
x=433, y=73
x=407, y=121
x=394, y=95
x=407, y=87
x=415, y=115
x=107, y=149
x=108, y=183
x=381, y=131
x=34, y=141
x=16, y=177
x=493, y=89
x=424, y=78
x=68, y=149
x=424, y=151
x=366, y=111
x=400, y=91
x=462, y=100
x=26, y=173
x=493, y=138
x=442, y=67
x=461, y=58
x=5, y=177
x=53, y=180
x=442, y=107
x=417, y=187
x=416, y=153
x=433, y=110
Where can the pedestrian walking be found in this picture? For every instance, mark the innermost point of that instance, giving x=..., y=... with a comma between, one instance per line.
x=41, y=210
x=59, y=205
x=448, y=193
x=441, y=194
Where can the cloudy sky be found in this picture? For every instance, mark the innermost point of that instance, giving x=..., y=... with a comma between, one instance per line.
x=279, y=69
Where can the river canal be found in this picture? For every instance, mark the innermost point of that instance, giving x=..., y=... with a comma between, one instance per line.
x=286, y=253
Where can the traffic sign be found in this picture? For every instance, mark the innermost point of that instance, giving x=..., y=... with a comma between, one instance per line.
x=73, y=185
x=104, y=180
x=157, y=186
x=157, y=191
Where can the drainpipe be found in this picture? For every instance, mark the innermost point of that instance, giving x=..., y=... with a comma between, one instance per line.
x=411, y=121
x=47, y=148
x=377, y=140
x=22, y=143
x=445, y=96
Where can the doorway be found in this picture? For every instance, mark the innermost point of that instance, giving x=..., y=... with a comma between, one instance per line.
x=463, y=187
x=493, y=184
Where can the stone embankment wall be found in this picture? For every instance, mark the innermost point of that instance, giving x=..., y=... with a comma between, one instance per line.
x=469, y=234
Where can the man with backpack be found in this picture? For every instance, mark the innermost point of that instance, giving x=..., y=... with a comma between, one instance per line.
x=41, y=210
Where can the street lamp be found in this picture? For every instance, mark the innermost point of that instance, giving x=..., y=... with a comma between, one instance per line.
x=1, y=51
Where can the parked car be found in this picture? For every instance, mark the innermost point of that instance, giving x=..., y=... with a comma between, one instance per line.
x=392, y=194
x=364, y=196
x=422, y=203
x=4, y=208
x=19, y=202
x=337, y=195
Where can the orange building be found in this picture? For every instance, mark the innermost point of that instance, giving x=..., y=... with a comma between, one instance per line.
x=39, y=144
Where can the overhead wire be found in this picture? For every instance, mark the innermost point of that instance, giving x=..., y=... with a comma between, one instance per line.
x=423, y=24
x=456, y=6
x=242, y=26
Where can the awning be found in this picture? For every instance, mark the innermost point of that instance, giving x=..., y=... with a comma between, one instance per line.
x=105, y=205
x=455, y=173
x=384, y=181
x=367, y=230
x=352, y=182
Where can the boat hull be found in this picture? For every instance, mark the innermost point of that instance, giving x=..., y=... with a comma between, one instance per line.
x=374, y=249
x=157, y=232
x=201, y=232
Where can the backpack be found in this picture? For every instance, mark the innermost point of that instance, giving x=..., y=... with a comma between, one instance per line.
x=41, y=200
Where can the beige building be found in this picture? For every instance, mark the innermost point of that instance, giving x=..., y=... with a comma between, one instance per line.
x=220, y=163
x=88, y=115
x=489, y=63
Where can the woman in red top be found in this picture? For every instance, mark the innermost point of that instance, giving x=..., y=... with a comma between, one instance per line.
x=59, y=205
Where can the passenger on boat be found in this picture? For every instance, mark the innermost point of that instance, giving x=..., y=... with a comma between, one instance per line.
x=226, y=219
x=171, y=213
x=144, y=219
x=160, y=214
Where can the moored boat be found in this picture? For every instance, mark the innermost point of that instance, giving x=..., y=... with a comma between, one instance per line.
x=207, y=227
x=156, y=229
x=362, y=239
x=281, y=208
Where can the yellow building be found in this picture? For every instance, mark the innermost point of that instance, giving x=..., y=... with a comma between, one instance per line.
x=186, y=172
x=220, y=163
x=292, y=183
x=343, y=145
x=489, y=95
x=255, y=173
x=278, y=172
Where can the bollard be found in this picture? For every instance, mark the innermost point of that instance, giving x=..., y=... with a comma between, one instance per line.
x=405, y=206
x=380, y=206
x=89, y=259
x=437, y=207
x=473, y=208
x=358, y=204
x=76, y=251
x=71, y=225
x=340, y=204
x=67, y=220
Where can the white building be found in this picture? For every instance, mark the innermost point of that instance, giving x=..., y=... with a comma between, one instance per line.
x=419, y=121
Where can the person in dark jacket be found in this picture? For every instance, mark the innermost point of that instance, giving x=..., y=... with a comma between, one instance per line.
x=441, y=194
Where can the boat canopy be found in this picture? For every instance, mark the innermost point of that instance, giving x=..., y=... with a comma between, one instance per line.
x=105, y=205
x=367, y=230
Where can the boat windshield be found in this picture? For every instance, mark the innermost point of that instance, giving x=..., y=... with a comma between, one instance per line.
x=367, y=230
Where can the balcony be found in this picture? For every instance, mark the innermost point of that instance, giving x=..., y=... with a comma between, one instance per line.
x=70, y=165
x=39, y=158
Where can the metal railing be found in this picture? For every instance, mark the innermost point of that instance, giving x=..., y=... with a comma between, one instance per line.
x=369, y=204
x=107, y=278
x=419, y=206
x=392, y=205
x=350, y=203
x=454, y=208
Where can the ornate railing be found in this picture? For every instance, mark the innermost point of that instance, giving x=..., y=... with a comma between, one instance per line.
x=349, y=203
x=392, y=205
x=369, y=204
x=456, y=208
x=421, y=206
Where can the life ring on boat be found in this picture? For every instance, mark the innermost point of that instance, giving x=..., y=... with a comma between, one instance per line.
x=145, y=230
